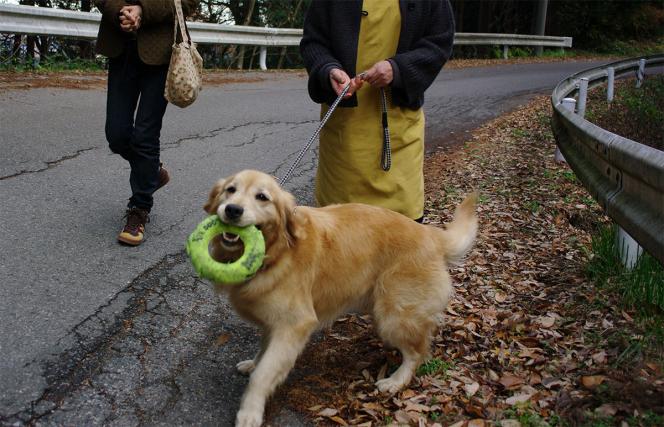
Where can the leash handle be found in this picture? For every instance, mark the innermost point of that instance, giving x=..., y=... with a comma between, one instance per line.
x=386, y=157
x=313, y=137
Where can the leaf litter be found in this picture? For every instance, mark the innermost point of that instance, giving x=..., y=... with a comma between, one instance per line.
x=526, y=335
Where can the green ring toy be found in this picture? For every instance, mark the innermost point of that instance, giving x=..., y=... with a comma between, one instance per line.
x=229, y=273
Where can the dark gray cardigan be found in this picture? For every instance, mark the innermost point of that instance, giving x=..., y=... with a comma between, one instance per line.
x=331, y=30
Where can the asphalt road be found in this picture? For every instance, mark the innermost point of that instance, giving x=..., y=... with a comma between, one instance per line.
x=92, y=332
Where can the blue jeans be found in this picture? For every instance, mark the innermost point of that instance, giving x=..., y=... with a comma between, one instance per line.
x=132, y=132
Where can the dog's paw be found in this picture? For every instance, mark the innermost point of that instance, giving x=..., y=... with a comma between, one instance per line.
x=389, y=385
x=246, y=366
x=248, y=418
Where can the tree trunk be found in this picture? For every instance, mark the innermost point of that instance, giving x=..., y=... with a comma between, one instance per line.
x=247, y=21
x=18, y=38
x=85, y=46
x=289, y=23
x=459, y=13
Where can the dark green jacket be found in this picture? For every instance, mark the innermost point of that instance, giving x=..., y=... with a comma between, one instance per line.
x=154, y=37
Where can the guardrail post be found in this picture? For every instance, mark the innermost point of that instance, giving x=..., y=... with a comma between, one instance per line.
x=640, y=73
x=568, y=104
x=611, y=75
x=506, y=51
x=628, y=248
x=262, y=58
x=583, y=96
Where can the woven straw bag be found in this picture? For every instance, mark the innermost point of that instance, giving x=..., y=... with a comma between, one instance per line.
x=184, y=79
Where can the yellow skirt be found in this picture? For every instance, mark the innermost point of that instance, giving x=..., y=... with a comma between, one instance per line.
x=351, y=142
x=351, y=146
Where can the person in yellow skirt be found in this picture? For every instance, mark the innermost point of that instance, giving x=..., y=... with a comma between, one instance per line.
x=398, y=46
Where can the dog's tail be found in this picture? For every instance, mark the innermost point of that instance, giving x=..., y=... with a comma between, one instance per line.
x=460, y=234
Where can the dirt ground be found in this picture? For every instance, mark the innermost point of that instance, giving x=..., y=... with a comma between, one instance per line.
x=528, y=340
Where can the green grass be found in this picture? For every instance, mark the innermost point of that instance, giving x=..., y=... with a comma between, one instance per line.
x=631, y=47
x=642, y=286
x=641, y=289
x=54, y=63
x=434, y=366
x=528, y=417
x=533, y=206
x=645, y=103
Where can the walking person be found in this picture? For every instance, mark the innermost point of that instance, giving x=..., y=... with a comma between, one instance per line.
x=137, y=37
x=399, y=46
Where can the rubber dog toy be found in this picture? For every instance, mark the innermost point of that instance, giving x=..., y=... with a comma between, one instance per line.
x=228, y=273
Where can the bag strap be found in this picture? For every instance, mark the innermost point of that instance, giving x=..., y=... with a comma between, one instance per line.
x=180, y=20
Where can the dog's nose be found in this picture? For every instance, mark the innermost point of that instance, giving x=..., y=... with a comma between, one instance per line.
x=233, y=211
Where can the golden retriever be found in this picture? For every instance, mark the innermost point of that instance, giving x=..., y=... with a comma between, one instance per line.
x=322, y=262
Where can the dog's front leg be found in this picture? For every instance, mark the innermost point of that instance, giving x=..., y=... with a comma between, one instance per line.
x=285, y=344
x=247, y=366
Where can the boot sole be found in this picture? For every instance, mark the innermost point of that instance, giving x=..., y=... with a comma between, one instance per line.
x=130, y=242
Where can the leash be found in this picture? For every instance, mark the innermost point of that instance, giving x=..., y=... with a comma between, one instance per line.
x=386, y=157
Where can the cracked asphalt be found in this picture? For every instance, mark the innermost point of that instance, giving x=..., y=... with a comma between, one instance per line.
x=94, y=333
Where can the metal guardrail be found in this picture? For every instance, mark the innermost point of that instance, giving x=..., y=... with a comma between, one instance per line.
x=625, y=177
x=84, y=25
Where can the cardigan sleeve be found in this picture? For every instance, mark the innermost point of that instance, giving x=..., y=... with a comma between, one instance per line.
x=110, y=10
x=160, y=11
x=316, y=51
x=419, y=66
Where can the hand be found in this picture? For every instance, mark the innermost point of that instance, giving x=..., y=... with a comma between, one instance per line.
x=339, y=79
x=130, y=18
x=380, y=75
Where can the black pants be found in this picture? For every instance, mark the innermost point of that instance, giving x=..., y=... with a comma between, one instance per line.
x=134, y=132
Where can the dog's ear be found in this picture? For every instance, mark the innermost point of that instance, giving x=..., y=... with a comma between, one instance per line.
x=212, y=203
x=287, y=220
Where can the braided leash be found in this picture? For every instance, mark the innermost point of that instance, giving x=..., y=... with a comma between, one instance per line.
x=386, y=158
x=313, y=137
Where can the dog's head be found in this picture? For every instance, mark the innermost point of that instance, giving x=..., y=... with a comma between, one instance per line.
x=253, y=198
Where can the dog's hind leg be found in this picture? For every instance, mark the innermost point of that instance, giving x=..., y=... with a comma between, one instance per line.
x=414, y=351
x=285, y=344
x=409, y=330
x=247, y=366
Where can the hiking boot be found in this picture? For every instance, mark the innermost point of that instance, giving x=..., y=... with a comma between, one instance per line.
x=164, y=177
x=133, y=232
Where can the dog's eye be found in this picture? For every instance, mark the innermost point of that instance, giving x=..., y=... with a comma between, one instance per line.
x=230, y=189
x=262, y=197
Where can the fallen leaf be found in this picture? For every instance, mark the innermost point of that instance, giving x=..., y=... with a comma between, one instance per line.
x=471, y=389
x=606, y=410
x=546, y=321
x=403, y=417
x=382, y=372
x=328, y=412
x=592, y=381
x=339, y=421
x=519, y=398
x=222, y=339
x=510, y=381
x=600, y=357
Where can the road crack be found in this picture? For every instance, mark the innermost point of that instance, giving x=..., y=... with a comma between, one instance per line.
x=49, y=165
